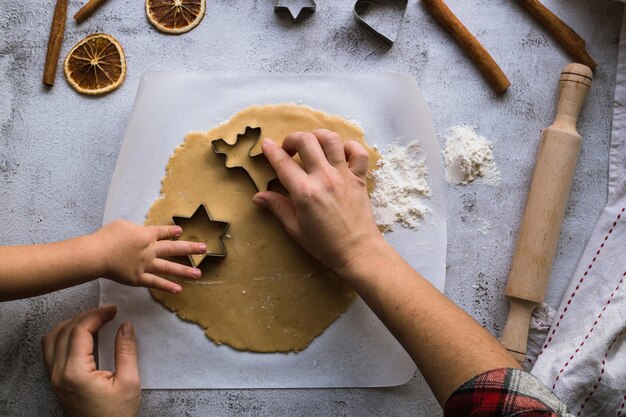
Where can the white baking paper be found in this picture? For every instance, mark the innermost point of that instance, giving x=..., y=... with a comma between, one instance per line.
x=356, y=350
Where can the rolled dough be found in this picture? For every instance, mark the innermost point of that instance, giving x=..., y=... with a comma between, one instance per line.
x=267, y=294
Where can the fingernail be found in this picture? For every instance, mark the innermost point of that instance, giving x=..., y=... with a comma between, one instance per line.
x=177, y=289
x=178, y=231
x=197, y=273
x=268, y=141
x=202, y=248
x=128, y=330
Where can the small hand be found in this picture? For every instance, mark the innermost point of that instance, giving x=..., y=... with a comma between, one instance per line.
x=132, y=255
x=328, y=210
x=84, y=390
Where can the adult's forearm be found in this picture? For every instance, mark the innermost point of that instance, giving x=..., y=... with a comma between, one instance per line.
x=446, y=344
x=27, y=271
x=329, y=212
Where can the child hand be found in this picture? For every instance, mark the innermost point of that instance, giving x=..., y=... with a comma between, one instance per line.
x=132, y=255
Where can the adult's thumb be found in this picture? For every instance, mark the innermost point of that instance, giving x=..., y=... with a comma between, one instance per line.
x=126, y=369
x=280, y=206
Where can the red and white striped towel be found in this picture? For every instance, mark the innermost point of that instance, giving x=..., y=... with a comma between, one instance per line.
x=583, y=358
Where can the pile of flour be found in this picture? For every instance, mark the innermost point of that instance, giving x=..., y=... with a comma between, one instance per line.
x=468, y=157
x=401, y=184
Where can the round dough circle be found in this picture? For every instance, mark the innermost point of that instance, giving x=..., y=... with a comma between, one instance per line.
x=267, y=294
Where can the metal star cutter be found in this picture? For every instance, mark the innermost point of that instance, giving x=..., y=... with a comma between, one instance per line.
x=201, y=227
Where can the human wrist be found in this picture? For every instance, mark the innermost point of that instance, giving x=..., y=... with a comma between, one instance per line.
x=370, y=258
x=95, y=254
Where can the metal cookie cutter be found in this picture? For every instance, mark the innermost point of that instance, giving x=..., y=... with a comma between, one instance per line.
x=238, y=155
x=295, y=7
x=192, y=234
x=382, y=18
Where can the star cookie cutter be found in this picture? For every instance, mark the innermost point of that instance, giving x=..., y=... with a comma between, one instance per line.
x=295, y=7
x=386, y=20
x=238, y=155
x=189, y=235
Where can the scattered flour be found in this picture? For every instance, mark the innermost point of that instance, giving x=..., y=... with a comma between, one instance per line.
x=401, y=184
x=468, y=157
x=484, y=225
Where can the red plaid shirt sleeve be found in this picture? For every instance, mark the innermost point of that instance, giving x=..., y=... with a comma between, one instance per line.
x=504, y=393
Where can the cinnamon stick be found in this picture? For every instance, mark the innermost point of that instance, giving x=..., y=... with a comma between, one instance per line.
x=87, y=10
x=564, y=35
x=485, y=63
x=57, y=30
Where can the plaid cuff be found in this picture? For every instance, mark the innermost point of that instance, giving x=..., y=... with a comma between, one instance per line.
x=504, y=393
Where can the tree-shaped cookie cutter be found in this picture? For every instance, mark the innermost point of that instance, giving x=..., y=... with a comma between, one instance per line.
x=202, y=210
x=238, y=155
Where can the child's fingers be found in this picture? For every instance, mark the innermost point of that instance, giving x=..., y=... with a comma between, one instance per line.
x=154, y=281
x=167, y=232
x=163, y=267
x=167, y=248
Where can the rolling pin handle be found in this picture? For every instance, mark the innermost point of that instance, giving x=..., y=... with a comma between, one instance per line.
x=573, y=87
x=515, y=334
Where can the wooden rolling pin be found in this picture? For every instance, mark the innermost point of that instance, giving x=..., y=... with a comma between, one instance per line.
x=564, y=35
x=485, y=63
x=545, y=206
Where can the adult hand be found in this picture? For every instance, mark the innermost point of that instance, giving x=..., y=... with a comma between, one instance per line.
x=84, y=390
x=132, y=255
x=328, y=210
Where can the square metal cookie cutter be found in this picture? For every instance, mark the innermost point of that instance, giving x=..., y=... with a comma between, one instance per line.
x=202, y=211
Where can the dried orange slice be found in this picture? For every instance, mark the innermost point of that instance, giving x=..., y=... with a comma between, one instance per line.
x=95, y=65
x=175, y=16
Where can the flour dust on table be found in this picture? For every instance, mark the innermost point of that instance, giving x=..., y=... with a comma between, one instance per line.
x=469, y=157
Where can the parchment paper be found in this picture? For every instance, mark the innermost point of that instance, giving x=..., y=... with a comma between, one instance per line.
x=357, y=350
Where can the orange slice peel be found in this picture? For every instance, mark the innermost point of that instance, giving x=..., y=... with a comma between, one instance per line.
x=175, y=16
x=96, y=65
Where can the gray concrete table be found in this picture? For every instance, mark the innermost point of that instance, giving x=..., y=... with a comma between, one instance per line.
x=58, y=150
